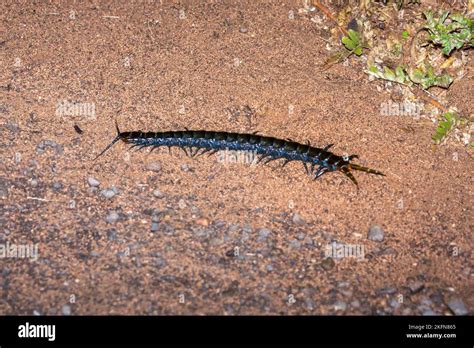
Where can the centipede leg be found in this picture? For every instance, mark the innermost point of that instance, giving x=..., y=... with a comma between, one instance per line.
x=327, y=147
x=261, y=158
x=306, y=168
x=286, y=162
x=194, y=151
x=270, y=160
x=185, y=151
x=350, y=176
x=212, y=151
x=321, y=170
x=140, y=146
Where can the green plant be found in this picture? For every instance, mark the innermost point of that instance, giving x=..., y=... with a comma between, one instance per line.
x=445, y=126
x=450, y=32
x=428, y=78
x=398, y=75
x=425, y=79
x=353, y=43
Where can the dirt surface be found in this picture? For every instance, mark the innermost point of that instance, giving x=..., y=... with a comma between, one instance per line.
x=168, y=234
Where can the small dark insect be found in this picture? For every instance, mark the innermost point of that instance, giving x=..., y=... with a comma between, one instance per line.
x=268, y=147
x=77, y=129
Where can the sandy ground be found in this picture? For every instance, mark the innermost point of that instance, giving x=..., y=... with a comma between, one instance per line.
x=168, y=234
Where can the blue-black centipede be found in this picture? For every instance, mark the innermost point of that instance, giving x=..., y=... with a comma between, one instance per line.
x=269, y=149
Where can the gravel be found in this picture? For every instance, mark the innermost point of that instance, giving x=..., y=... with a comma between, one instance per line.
x=428, y=312
x=295, y=244
x=158, y=194
x=111, y=235
x=376, y=234
x=66, y=310
x=154, y=226
x=112, y=217
x=298, y=220
x=93, y=182
x=340, y=305
x=386, y=291
x=108, y=193
x=328, y=264
x=57, y=186
x=154, y=166
x=456, y=305
x=263, y=234
x=415, y=286
x=181, y=204
x=44, y=144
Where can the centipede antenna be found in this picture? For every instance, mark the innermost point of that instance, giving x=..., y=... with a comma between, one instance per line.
x=117, y=138
x=365, y=169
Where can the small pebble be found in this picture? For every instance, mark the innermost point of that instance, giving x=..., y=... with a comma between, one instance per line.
x=35, y=312
x=181, y=204
x=297, y=219
x=154, y=166
x=456, y=305
x=269, y=268
x=108, y=193
x=394, y=303
x=93, y=182
x=263, y=234
x=111, y=235
x=295, y=244
x=340, y=306
x=158, y=194
x=415, y=286
x=328, y=264
x=428, y=312
x=355, y=304
x=66, y=310
x=376, y=234
x=154, y=226
x=202, y=222
x=41, y=148
x=57, y=186
x=386, y=291
x=185, y=168
x=243, y=30
x=112, y=217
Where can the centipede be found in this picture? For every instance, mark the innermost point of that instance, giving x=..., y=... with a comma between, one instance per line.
x=316, y=161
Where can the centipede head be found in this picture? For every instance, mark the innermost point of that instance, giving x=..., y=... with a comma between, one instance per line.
x=347, y=168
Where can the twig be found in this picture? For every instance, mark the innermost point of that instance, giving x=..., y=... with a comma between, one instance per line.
x=330, y=15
